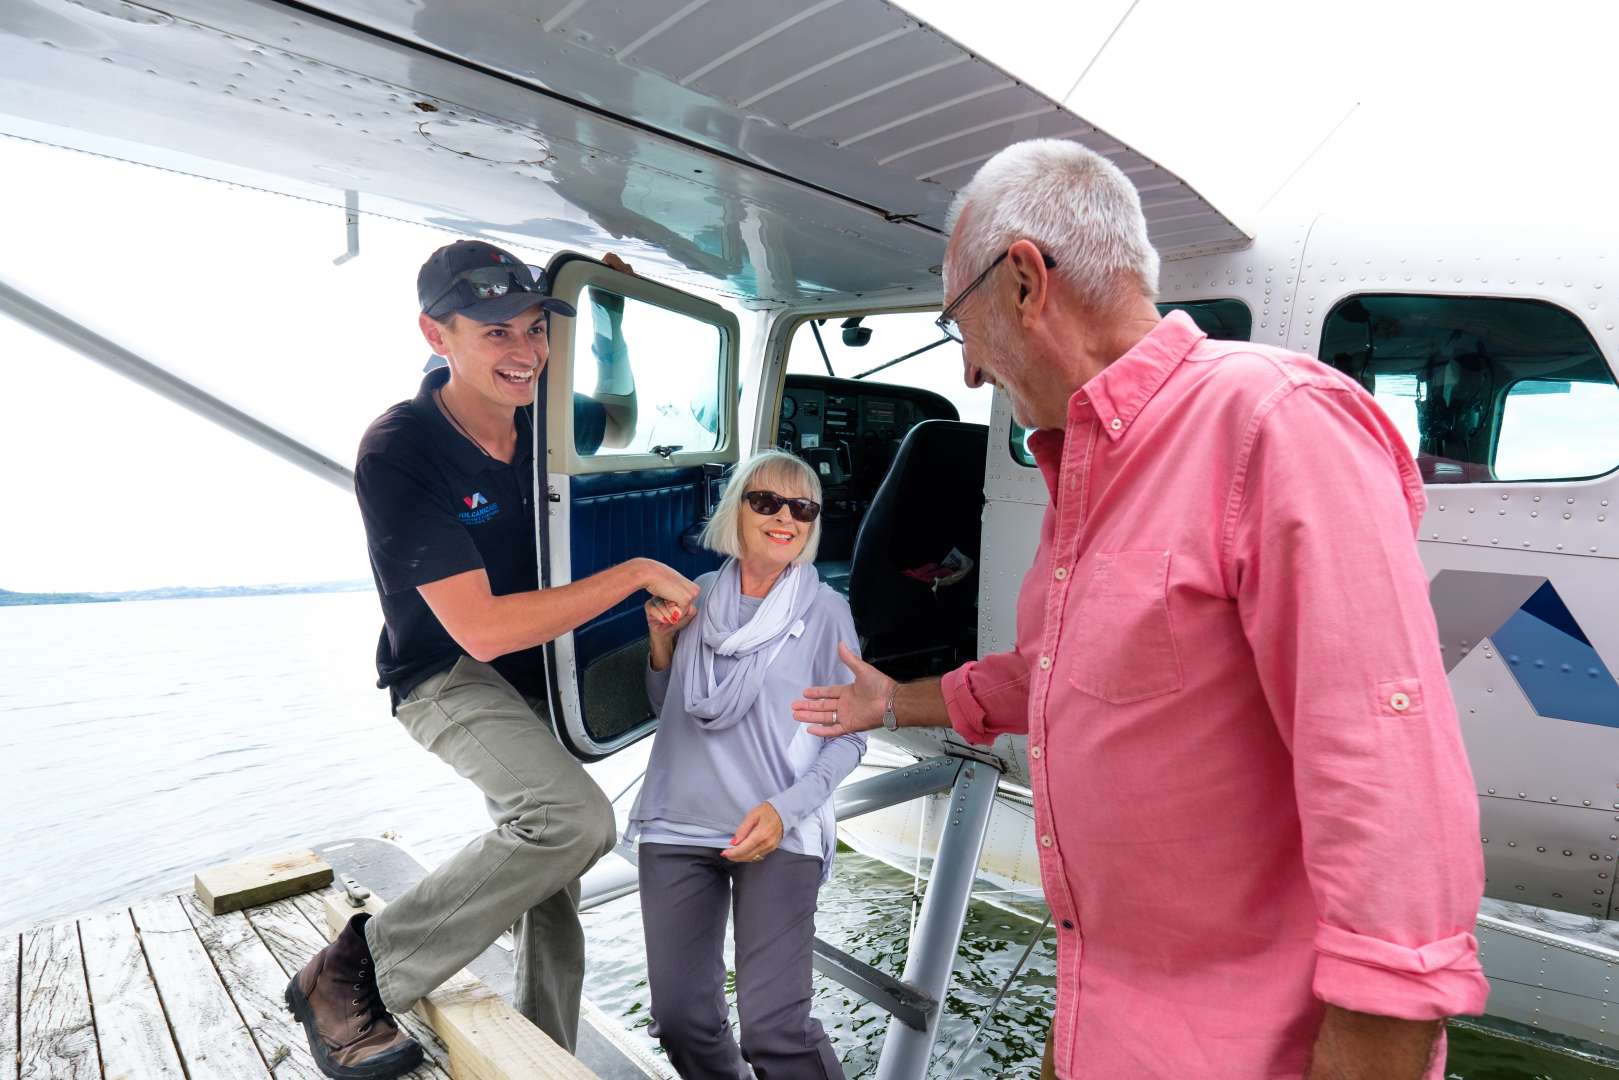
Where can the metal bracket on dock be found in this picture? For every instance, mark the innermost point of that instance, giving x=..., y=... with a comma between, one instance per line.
x=356, y=893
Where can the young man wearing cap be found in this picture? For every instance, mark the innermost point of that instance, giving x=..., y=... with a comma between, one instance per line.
x=445, y=485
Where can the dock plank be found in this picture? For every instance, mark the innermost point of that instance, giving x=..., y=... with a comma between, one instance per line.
x=488, y=1039
x=293, y=939
x=10, y=964
x=136, y=1043
x=58, y=1034
x=256, y=983
x=213, y=1040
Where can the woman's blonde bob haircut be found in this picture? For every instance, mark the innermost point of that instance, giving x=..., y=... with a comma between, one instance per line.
x=769, y=470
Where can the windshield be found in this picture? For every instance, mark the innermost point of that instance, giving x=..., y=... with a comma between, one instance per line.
x=892, y=335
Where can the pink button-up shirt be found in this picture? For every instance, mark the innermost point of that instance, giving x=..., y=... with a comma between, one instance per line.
x=1251, y=794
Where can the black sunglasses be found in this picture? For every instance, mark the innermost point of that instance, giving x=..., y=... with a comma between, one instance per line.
x=488, y=283
x=768, y=503
x=946, y=322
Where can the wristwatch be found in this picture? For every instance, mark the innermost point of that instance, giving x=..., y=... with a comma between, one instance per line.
x=890, y=721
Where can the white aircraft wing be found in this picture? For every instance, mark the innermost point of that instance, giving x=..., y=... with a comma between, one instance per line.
x=775, y=150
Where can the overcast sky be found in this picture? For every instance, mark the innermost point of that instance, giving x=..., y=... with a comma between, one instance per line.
x=1494, y=111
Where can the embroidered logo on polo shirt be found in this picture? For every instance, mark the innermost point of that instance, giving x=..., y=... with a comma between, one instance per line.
x=478, y=511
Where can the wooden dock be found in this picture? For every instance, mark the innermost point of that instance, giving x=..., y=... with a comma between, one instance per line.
x=163, y=989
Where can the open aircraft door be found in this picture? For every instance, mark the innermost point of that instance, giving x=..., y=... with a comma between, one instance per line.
x=641, y=421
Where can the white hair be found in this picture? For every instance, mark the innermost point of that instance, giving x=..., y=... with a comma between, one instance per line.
x=774, y=470
x=1073, y=203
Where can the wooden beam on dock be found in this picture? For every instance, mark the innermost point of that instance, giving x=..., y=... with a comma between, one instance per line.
x=260, y=880
x=487, y=1038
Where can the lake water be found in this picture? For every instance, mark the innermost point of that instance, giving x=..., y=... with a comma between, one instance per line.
x=140, y=741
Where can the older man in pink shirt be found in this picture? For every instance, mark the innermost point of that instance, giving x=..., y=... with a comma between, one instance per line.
x=1257, y=828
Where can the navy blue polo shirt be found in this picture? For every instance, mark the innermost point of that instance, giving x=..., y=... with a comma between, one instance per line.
x=435, y=505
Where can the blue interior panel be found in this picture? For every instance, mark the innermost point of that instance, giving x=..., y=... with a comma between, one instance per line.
x=622, y=515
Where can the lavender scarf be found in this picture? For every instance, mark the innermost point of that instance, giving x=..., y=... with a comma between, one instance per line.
x=716, y=704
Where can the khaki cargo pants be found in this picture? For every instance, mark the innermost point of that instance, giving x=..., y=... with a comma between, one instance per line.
x=552, y=823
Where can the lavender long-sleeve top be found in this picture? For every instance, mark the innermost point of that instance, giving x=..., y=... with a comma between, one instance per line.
x=701, y=783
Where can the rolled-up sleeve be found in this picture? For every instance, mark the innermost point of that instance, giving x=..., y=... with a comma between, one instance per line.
x=1334, y=602
x=988, y=697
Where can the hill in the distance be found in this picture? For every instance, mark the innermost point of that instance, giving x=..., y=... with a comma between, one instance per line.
x=178, y=592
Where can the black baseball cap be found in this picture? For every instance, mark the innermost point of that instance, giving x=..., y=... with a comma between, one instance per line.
x=482, y=282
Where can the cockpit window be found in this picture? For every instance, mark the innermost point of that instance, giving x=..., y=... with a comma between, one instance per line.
x=1482, y=388
x=1227, y=320
x=899, y=348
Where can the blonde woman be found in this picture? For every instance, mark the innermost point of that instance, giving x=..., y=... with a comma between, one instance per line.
x=736, y=810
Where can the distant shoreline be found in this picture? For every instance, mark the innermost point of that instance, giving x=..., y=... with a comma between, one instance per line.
x=177, y=592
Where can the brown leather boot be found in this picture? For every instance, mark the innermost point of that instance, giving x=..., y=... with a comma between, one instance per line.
x=335, y=997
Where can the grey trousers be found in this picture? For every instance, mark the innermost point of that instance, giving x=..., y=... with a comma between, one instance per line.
x=552, y=823
x=685, y=894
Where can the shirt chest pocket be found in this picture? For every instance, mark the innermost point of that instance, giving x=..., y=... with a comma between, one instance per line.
x=1119, y=639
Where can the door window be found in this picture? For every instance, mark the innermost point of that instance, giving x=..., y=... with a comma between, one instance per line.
x=644, y=378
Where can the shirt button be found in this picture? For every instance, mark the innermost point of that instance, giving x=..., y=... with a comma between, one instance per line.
x=1061, y=573
x=1068, y=924
x=1045, y=841
x=1115, y=423
x=1045, y=663
x=1399, y=703
x=1034, y=751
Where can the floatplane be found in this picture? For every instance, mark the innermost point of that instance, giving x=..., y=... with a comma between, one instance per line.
x=780, y=173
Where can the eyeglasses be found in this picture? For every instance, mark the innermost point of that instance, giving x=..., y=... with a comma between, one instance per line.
x=488, y=283
x=946, y=322
x=768, y=503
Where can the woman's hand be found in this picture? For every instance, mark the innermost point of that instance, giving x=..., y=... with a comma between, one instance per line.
x=757, y=836
x=665, y=618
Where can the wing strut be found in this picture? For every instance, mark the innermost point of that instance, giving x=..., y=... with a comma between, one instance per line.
x=91, y=345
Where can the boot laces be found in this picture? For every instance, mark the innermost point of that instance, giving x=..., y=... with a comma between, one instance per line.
x=368, y=1003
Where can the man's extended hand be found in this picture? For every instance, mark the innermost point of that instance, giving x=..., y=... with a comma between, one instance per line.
x=666, y=584
x=839, y=710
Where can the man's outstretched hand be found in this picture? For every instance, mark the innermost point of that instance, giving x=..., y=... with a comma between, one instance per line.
x=841, y=710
